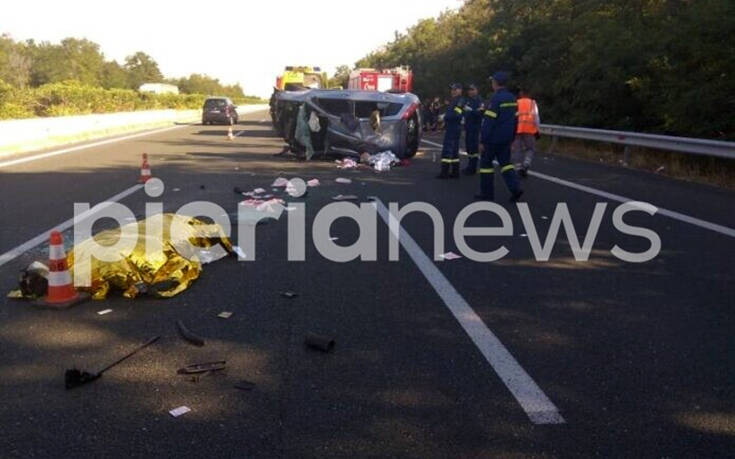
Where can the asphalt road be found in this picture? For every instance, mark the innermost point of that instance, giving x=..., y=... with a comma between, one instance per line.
x=638, y=359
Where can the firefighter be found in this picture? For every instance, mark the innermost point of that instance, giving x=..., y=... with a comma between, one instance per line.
x=499, y=126
x=473, y=109
x=452, y=133
x=524, y=146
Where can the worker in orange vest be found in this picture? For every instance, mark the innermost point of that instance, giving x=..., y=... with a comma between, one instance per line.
x=524, y=146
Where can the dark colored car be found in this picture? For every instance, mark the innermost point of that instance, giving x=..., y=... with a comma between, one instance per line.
x=347, y=121
x=219, y=110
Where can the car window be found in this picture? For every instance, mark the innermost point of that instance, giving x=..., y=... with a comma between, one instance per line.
x=215, y=103
x=334, y=107
x=363, y=108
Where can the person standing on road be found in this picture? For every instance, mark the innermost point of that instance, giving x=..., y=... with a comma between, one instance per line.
x=499, y=126
x=524, y=146
x=452, y=134
x=472, y=122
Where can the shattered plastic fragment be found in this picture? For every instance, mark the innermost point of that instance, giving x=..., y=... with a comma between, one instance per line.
x=289, y=294
x=343, y=180
x=104, y=311
x=259, y=190
x=279, y=182
x=176, y=412
x=544, y=217
x=523, y=235
x=450, y=256
x=224, y=315
x=346, y=163
x=313, y=182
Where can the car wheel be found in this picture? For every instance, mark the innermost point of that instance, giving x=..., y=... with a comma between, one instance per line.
x=413, y=133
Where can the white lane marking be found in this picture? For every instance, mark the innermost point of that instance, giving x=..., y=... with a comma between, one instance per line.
x=44, y=237
x=28, y=159
x=727, y=231
x=532, y=399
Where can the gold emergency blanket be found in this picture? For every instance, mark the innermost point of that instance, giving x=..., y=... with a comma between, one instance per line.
x=162, y=273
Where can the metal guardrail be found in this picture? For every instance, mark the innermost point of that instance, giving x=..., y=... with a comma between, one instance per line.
x=660, y=142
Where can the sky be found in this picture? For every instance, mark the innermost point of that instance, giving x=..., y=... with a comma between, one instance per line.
x=247, y=42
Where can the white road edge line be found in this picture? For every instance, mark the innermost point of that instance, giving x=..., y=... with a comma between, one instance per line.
x=614, y=197
x=49, y=154
x=535, y=403
x=44, y=237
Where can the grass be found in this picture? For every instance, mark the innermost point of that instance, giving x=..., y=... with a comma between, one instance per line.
x=718, y=172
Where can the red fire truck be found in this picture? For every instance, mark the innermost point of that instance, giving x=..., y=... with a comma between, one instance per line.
x=399, y=79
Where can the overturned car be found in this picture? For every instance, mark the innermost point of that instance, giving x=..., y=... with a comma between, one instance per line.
x=318, y=121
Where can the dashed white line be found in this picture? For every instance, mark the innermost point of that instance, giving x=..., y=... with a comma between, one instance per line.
x=535, y=403
x=615, y=197
x=44, y=237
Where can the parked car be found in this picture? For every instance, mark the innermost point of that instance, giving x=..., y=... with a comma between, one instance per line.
x=219, y=110
x=348, y=121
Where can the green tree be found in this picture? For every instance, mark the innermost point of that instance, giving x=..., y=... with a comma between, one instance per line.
x=141, y=68
x=341, y=77
x=113, y=75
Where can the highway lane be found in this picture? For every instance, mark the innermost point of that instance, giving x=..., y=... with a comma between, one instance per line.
x=637, y=357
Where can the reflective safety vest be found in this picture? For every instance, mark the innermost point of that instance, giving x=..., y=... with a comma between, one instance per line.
x=527, y=116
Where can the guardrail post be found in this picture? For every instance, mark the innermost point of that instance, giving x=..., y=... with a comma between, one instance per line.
x=553, y=144
x=626, y=155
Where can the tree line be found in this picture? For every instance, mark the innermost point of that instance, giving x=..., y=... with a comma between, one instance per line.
x=660, y=66
x=28, y=64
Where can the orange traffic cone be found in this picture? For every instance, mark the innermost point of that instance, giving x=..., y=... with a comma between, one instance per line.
x=145, y=170
x=230, y=136
x=60, y=293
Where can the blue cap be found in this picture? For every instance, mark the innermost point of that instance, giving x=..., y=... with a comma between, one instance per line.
x=455, y=86
x=500, y=77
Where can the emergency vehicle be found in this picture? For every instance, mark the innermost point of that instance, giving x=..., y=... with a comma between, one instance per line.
x=398, y=79
x=301, y=77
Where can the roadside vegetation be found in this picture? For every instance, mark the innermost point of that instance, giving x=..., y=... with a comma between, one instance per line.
x=73, y=77
x=661, y=66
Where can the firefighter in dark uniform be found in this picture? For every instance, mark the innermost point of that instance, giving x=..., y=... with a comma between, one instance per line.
x=452, y=133
x=473, y=110
x=499, y=124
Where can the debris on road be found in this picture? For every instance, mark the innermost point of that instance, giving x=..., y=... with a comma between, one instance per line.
x=313, y=182
x=198, y=368
x=345, y=197
x=346, y=163
x=544, y=217
x=382, y=161
x=343, y=180
x=239, y=252
x=32, y=283
x=185, y=333
x=280, y=182
x=187, y=242
x=104, y=311
x=259, y=190
x=523, y=235
x=245, y=385
x=450, y=256
x=176, y=412
x=75, y=378
x=319, y=342
x=224, y=315
x=289, y=294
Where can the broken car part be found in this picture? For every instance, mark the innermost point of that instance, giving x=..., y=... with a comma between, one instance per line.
x=185, y=333
x=75, y=378
x=198, y=368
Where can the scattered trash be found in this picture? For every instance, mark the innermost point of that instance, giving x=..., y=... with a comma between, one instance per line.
x=319, y=342
x=279, y=183
x=347, y=163
x=289, y=294
x=244, y=385
x=176, y=412
x=345, y=197
x=185, y=333
x=186, y=243
x=75, y=378
x=450, y=256
x=104, y=311
x=343, y=180
x=197, y=368
x=239, y=252
x=382, y=161
x=176, y=190
x=259, y=190
x=32, y=283
x=267, y=196
x=313, y=182
x=224, y=315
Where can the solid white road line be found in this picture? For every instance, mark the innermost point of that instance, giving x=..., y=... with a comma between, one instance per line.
x=614, y=197
x=532, y=399
x=44, y=237
x=28, y=159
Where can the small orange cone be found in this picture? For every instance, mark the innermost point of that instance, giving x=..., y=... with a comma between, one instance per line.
x=60, y=293
x=145, y=170
x=230, y=136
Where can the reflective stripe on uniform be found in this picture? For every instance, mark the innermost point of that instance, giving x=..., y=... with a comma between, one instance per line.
x=457, y=109
x=473, y=155
x=450, y=160
x=508, y=104
x=507, y=167
x=491, y=114
x=487, y=171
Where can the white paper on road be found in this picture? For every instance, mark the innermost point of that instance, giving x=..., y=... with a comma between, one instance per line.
x=224, y=315
x=342, y=180
x=176, y=412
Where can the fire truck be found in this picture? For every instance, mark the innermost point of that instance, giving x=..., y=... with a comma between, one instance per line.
x=398, y=79
x=301, y=77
